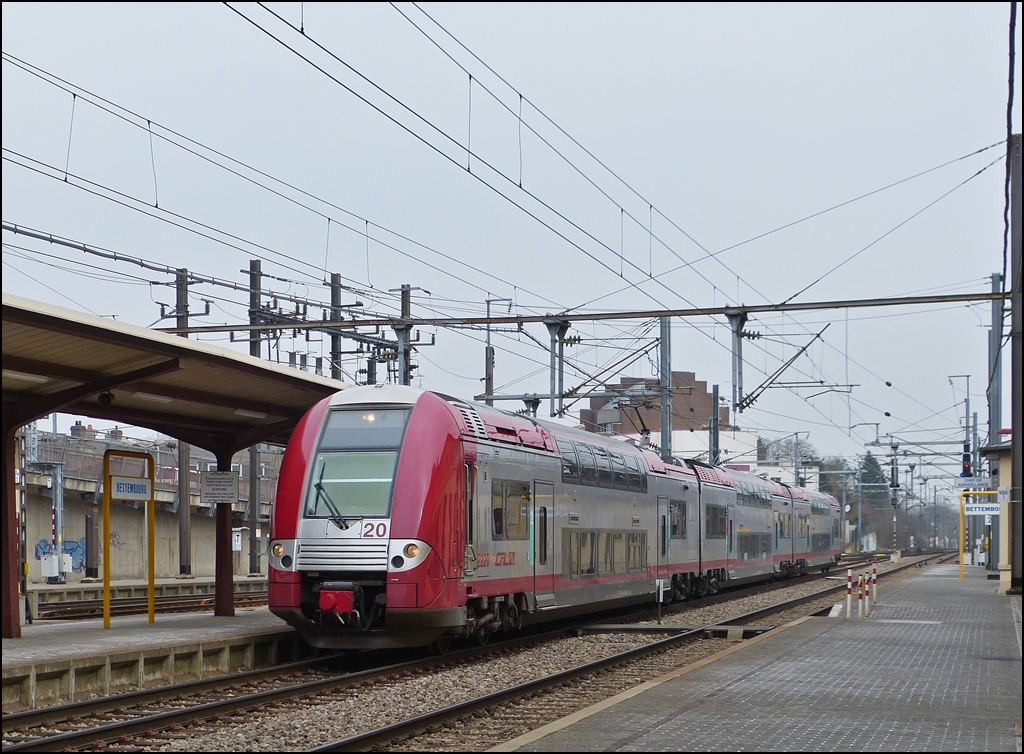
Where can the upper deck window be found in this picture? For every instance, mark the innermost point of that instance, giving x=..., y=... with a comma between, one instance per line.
x=604, y=467
x=354, y=470
x=570, y=464
x=364, y=429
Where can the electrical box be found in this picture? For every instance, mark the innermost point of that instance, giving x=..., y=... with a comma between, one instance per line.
x=50, y=566
x=65, y=563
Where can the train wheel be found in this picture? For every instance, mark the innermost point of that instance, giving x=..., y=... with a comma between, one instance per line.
x=512, y=619
x=482, y=636
x=443, y=645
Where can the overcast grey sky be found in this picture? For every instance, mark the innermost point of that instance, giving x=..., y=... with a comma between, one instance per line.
x=720, y=122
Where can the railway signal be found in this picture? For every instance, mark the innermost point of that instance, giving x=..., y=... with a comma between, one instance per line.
x=967, y=472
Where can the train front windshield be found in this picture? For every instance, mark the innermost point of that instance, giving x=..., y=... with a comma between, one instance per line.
x=354, y=470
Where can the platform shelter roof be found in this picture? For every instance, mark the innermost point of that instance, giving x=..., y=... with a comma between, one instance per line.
x=56, y=359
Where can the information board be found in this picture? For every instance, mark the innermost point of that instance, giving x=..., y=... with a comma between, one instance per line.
x=219, y=488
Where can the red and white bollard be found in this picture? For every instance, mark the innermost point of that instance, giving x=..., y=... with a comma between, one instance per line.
x=867, y=595
x=874, y=584
x=849, y=592
x=860, y=596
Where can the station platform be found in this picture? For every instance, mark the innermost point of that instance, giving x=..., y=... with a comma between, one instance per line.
x=937, y=667
x=55, y=662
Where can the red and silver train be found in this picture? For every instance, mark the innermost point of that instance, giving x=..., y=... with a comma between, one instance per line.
x=405, y=517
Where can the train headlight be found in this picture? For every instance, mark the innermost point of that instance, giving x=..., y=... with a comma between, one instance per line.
x=406, y=554
x=277, y=550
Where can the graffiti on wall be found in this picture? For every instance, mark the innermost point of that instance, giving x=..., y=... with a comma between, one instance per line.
x=76, y=550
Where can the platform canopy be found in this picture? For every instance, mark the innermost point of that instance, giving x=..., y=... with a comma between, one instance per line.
x=56, y=359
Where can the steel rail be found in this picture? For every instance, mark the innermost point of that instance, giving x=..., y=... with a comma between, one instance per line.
x=164, y=720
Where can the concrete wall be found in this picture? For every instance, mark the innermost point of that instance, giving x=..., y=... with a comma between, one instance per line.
x=81, y=459
x=128, y=540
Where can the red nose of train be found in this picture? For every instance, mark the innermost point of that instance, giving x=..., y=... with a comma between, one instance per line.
x=337, y=601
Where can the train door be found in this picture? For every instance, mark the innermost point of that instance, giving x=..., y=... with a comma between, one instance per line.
x=664, y=544
x=542, y=534
x=469, y=558
x=730, y=551
x=802, y=540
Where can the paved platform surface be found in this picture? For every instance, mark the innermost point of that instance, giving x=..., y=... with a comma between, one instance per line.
x=937, y=667
x=52, y=641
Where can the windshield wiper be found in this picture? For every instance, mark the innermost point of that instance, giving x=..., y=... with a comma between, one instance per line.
x=322, y=494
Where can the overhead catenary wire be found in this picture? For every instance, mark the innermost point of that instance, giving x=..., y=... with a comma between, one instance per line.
x=162, y=153
x=148, y=127
x=141, y=122
x=562, y=130
x=621, y=180
x=441, y=152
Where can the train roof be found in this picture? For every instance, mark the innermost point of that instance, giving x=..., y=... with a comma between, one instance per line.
x=490, y=423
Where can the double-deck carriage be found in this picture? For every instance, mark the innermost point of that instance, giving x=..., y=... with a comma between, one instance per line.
x=404, y=517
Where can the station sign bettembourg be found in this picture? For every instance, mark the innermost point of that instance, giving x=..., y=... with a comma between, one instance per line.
x=981, y=509
x=130, y=488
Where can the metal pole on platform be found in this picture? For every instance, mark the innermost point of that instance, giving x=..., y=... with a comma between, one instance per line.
x=184, y=453
x=963, y=503
x=849, y=592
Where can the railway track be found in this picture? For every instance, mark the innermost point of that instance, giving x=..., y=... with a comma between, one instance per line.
x=93, y=608
x=143, y=720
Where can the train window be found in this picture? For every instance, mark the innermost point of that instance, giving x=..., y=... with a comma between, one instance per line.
x=604, y=469
x=570, y=464
x=782, y=525
x=517, y=510
x=664, y=536
x=542, y=536
x=498, y=508
x=470, y=483
x=821, y=542
x=716, y=522
x=618, y=470
x=633, y=473
x=588, y=553
x=588, y=466
x=636, y=551
x=570, y=554
x=613, y=553
x=677, y=515
x=351, y=483
x=753, y=546
x=377, y=428
x=803, y=527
